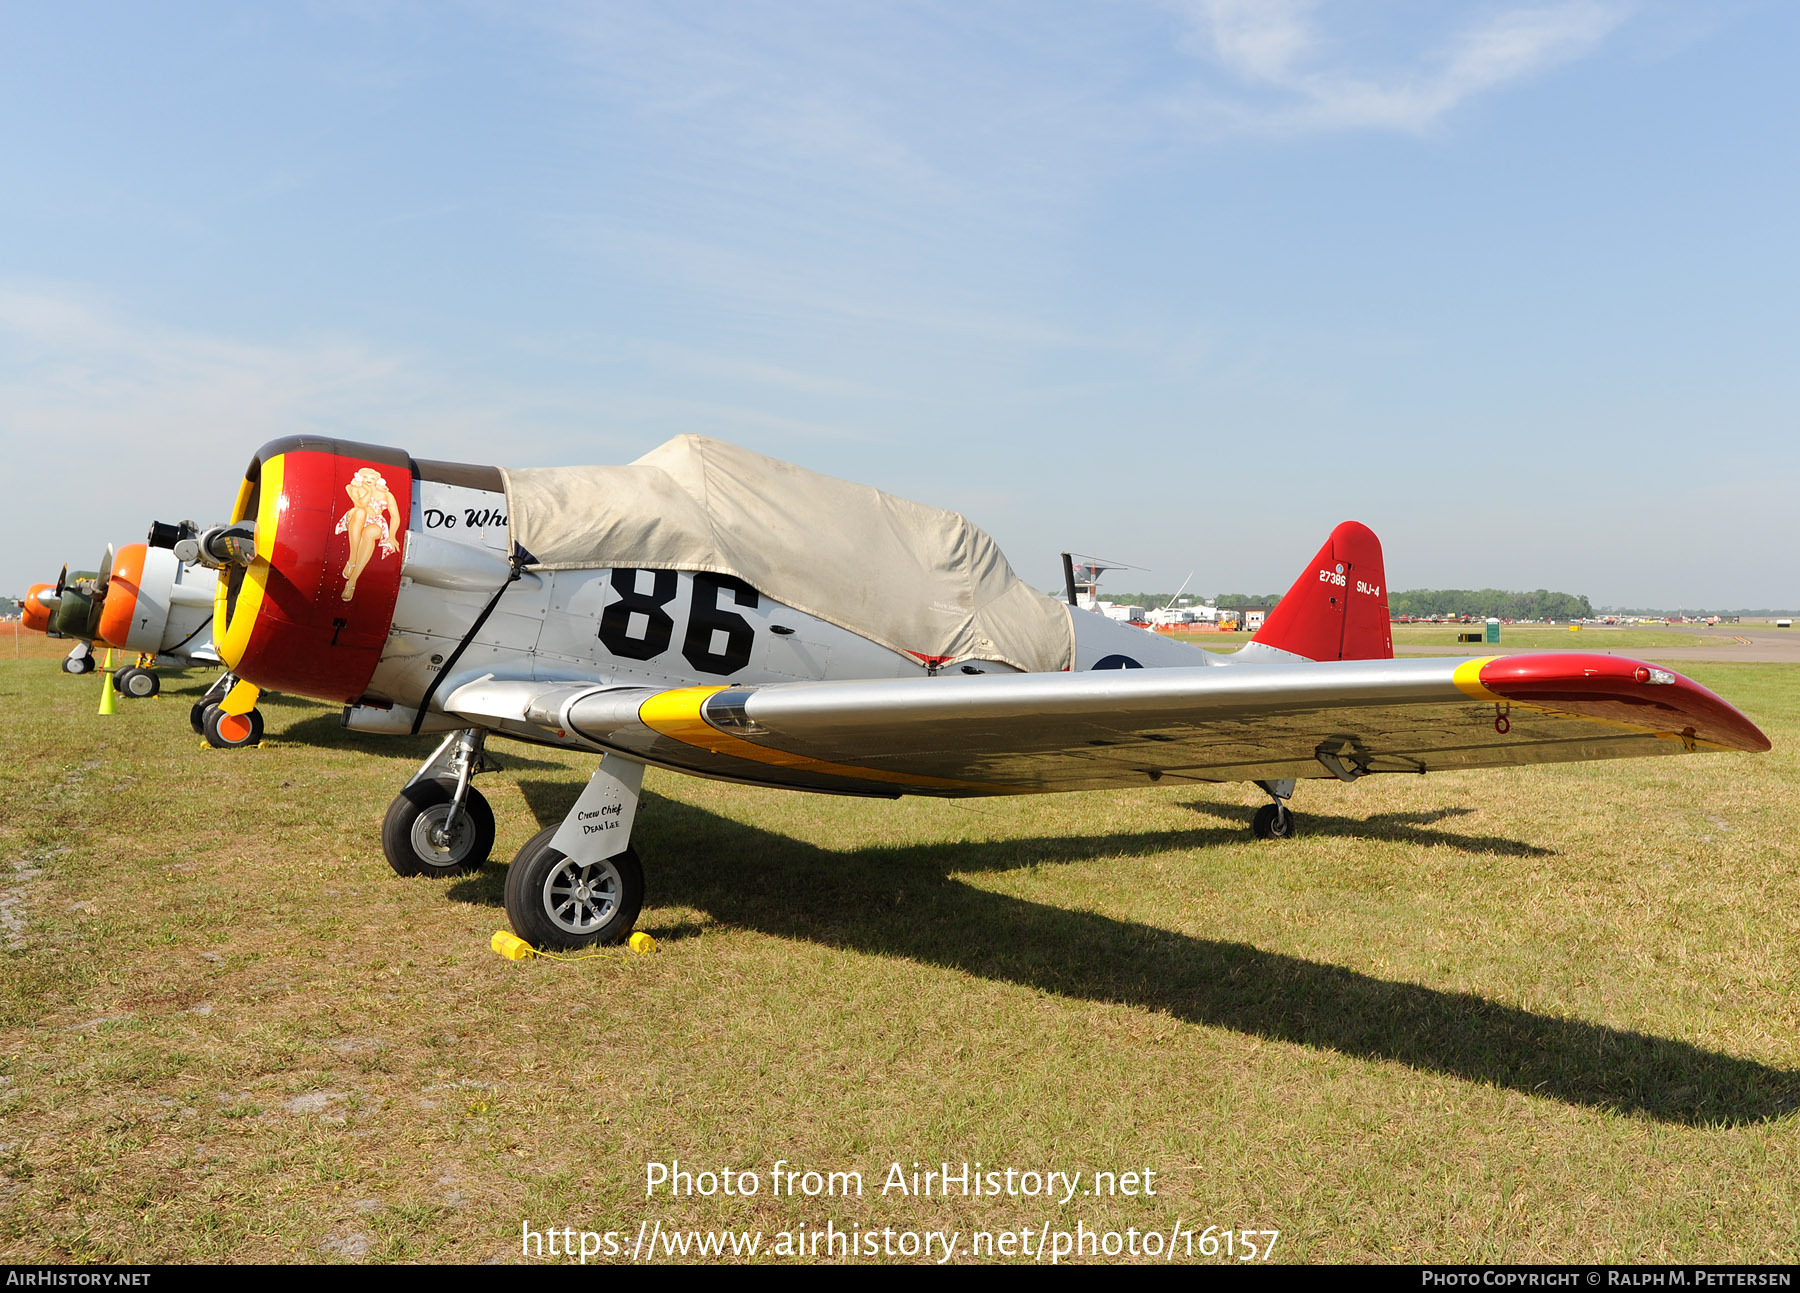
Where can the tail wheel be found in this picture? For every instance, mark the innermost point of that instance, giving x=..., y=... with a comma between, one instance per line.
x=555, y=902
x=230, y=731
x=138, y=683
x=1273, y=822
x=415, y=841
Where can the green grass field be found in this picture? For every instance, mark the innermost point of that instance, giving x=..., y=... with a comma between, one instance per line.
x=1537, y=1015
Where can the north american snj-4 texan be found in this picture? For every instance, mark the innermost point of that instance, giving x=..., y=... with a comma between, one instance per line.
x=712, y=611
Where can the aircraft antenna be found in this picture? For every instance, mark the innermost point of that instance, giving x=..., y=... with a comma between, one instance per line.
x=1179, y=591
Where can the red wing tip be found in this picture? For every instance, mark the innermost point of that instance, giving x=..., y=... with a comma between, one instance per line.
x=1620, y=689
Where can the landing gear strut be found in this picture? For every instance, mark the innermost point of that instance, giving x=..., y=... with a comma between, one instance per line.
x=439, y=824
x=1273, y=821
x=213, y=695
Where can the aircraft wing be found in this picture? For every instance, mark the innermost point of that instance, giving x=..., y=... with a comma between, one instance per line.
x=1026, y=733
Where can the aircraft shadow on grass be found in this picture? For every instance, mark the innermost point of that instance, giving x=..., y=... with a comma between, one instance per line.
x=1407, y=828
x=907, y=902
x=321, y=729
x=327, y=732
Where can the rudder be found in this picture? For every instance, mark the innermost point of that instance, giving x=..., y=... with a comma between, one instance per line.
x=1337, y=609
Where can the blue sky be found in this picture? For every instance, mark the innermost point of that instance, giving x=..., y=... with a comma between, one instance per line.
x=1179, y=282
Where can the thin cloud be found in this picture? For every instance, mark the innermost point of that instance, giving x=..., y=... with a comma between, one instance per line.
x=159, y=421
x=734, y=420
x=710, y=364
x=937, y=107
x=1279, y=49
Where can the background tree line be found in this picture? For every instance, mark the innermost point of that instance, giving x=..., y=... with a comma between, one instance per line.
x=1538, y=604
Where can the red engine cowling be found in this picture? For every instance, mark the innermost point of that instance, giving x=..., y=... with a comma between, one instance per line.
x=310, y=614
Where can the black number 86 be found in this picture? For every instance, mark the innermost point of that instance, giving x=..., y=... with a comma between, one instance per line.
x=705, y=619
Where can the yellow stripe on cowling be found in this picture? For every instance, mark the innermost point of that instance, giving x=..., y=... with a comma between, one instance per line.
x=1468, y=679
x=678, y=715
x=239, y=622
x=241, y=508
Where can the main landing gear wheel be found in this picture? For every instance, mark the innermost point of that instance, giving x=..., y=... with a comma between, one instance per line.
x=197, y=716
x=139, y=684
x=414, y=838
x=230, y=731
x=555, y=902
x=78, y=664
x=1273, y=822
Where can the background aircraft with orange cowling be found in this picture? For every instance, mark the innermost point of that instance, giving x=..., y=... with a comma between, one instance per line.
x=157, y=612
x=714, y=612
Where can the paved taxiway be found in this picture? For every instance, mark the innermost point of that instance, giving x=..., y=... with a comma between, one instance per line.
x=1727, y=643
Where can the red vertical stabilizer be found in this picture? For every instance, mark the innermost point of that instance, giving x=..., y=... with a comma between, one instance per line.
x=1337, y=609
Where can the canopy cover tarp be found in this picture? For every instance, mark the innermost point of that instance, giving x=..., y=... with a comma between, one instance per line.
x=916, y=579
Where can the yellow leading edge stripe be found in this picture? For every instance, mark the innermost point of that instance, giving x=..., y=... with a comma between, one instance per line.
x=677, y=714
x=238, y=625
x=1468, y=679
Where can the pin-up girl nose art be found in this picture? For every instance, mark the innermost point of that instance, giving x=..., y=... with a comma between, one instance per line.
x=371, y=520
